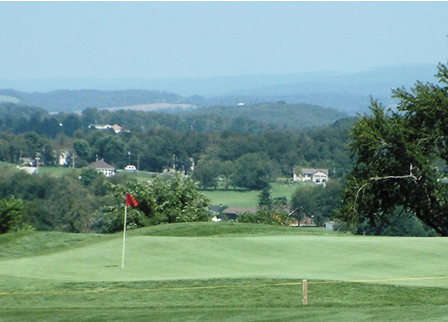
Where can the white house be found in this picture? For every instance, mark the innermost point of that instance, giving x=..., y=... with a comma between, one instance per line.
x=315, y=175
x=64, y=155
x=117, y=128
x=103, y=167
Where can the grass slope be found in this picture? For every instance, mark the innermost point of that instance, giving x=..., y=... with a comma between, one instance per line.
x=222, y=272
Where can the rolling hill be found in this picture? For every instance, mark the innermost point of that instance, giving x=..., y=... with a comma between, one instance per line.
x=346, y=92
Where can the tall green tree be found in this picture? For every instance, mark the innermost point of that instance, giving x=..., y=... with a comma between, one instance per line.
x=316, y=200
x=82, y=149
x=401, y=159
x=264, y=198
x=10, y=213
x=71, y=123
x=254, y=171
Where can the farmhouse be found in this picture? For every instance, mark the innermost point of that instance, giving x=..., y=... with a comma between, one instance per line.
x=103, y=167
x=315, y=175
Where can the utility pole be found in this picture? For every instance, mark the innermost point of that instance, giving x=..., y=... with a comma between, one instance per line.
x=138, y=161
x=37, y=161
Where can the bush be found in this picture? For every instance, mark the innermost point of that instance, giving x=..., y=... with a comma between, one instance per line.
x=264, y=216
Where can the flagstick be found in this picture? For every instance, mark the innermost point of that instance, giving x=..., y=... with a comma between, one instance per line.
x=124, y=235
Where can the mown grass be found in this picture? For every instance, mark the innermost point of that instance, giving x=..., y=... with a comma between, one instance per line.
x=144, y=290
x=249, y=198
x=32, y=243
x=24, y=244
x=224, y=300
x=224, y=229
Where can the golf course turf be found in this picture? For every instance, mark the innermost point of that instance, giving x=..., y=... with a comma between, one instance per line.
x=222, y=272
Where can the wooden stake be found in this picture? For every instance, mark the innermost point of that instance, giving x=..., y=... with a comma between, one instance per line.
x=305, y=292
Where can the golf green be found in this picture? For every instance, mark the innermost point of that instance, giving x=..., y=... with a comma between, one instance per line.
x=403, y=261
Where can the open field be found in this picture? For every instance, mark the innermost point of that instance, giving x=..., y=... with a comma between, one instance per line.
x=231, y=197
x=222, y=272
x=249, y=198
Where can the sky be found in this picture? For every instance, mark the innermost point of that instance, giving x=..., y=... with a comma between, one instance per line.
x=150, y=40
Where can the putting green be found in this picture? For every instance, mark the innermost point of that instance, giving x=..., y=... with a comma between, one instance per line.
x=410, y=261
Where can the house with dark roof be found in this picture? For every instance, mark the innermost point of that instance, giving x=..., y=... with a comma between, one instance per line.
x=103, y=167
x=232, y=212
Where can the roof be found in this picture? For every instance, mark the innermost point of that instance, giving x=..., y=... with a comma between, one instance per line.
x=216, y=208
x=234, y=210
x=117, y=127
x=312, y=171
x=100, y=164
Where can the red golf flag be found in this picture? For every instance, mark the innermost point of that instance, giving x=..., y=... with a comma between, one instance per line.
x=130, y=201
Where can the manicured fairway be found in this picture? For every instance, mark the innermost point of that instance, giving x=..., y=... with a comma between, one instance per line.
x=223, y=276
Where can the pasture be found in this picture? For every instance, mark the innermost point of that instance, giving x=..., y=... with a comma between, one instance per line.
x=222, y=272
x=249, y=198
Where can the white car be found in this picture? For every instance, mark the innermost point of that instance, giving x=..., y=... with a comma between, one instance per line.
x=130, y=168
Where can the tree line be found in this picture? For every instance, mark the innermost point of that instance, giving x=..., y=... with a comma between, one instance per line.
x=87, y=201
x=241, y=153
x=239, y=156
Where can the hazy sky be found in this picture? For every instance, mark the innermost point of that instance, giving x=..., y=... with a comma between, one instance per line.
x=201, y=39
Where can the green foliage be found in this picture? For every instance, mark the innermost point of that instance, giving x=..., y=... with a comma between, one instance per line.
x=89, y=175
x=398, y=224
x=316, y=201
x=51, y=202
x=227, y=151
x=10, y=214
x=290, y=115
x=71, y=123
x=254, y=171
x=82, y=149
x=154, y=138
x=174, y=200
x=207, y=172
x=276, y=217
x=270, y=212
x=401, y=160
x=264, y=198
x=19, y=110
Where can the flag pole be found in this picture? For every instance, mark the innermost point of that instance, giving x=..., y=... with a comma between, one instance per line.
x=124, y=235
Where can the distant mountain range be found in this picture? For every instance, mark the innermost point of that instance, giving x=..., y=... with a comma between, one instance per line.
x=346, y=92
